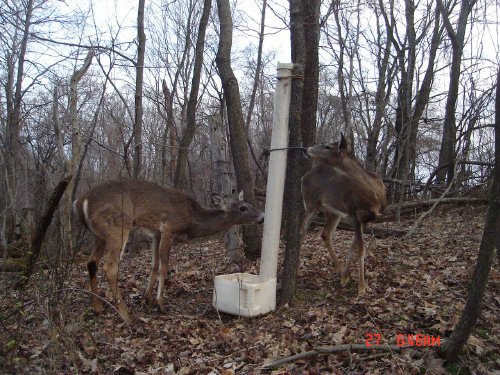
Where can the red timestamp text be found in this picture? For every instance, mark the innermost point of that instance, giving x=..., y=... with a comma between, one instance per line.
x=419, y=339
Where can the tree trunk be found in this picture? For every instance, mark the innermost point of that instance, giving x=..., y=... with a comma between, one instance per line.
x=304, y=34
x=485, y=257
x=345, y=89
x=16, y=193
x=408, y=117
x=170, y=137
x=382, y=96
x=223, y=184
x=139, y=77
x=71, y=164
x=448, y=141
x=237, y=132
x=180, y=180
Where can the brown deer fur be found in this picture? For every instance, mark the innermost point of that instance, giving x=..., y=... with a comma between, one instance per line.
x=339, y=186
x=112, y=209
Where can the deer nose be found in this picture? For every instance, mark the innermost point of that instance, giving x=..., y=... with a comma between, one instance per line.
x=304, y=151
x=260, y=220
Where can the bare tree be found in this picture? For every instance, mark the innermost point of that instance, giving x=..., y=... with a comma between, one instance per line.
x=139, y=78
x=180, y=180
x=72, y=162
x=485, y=258
x=16, y=60
x=410, y=108
x=235, y=119
x=457, y=38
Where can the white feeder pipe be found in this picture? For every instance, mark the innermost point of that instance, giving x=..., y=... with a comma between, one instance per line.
x=276, y=174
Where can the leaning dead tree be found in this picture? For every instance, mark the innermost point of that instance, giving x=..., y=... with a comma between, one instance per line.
x=40, y=230
x=72, y=162
x=485, y=257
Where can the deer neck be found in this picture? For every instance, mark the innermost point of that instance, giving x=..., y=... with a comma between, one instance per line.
x=209, y=221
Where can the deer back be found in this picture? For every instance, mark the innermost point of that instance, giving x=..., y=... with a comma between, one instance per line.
x=339, y=182
x=133, y=203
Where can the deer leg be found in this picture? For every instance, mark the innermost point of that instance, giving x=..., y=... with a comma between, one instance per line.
x=164, y=252
x=309, y=216
x=92, y=266
x=361, y=254
x=154, y=269
x=332, y=221
x=344, y=276
x=115, y=246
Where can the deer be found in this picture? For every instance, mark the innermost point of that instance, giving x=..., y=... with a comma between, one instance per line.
x=339, y=186
x=110, y=211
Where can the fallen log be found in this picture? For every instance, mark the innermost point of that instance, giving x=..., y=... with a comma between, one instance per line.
x=377, y=232
x=12, y=264
x=429, y=202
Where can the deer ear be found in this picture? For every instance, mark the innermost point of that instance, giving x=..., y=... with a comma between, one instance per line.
x=240, y=195
x=217, y=200
x=343, y=142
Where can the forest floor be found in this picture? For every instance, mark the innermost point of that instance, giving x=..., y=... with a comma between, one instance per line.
x=416, y=286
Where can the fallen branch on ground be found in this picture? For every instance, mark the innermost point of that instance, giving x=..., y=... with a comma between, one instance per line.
x=334, y=349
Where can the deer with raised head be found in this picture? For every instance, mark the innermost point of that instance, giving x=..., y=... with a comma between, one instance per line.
x=112, y=209
x=339, y=186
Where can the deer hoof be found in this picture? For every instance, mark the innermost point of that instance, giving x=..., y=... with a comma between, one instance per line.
x=161, y=305
x=344, y=280
x=98, y=307
x=124, y=313
x=163, y=309
x=361, y=291
x=149, y=299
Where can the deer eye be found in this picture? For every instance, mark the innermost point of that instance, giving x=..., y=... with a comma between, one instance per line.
x=243, y=208
x=328, y=147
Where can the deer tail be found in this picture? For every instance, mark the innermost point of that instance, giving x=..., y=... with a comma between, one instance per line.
x=79, y=207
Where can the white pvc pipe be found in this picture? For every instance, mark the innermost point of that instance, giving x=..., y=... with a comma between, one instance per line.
x=276, y=174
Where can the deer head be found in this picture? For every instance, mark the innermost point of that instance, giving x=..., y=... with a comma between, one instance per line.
x=238, y=211
x=330, y=154
x=112, y=209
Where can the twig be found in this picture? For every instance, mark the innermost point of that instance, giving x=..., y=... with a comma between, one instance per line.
x=17, y=310
x=334, y=349
x=420, y=219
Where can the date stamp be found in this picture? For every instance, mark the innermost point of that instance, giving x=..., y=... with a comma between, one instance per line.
x=419, y=339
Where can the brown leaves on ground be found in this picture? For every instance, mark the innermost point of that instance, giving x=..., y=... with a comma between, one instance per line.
x=416, y=286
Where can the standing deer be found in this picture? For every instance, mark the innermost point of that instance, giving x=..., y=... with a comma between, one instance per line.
x=112, y=209
x=339, y=186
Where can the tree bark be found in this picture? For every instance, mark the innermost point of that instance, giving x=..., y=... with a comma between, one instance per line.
x=180, y=180
x=139, y=78
x=485, y=257
x=304, y=34
x=236, y=125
